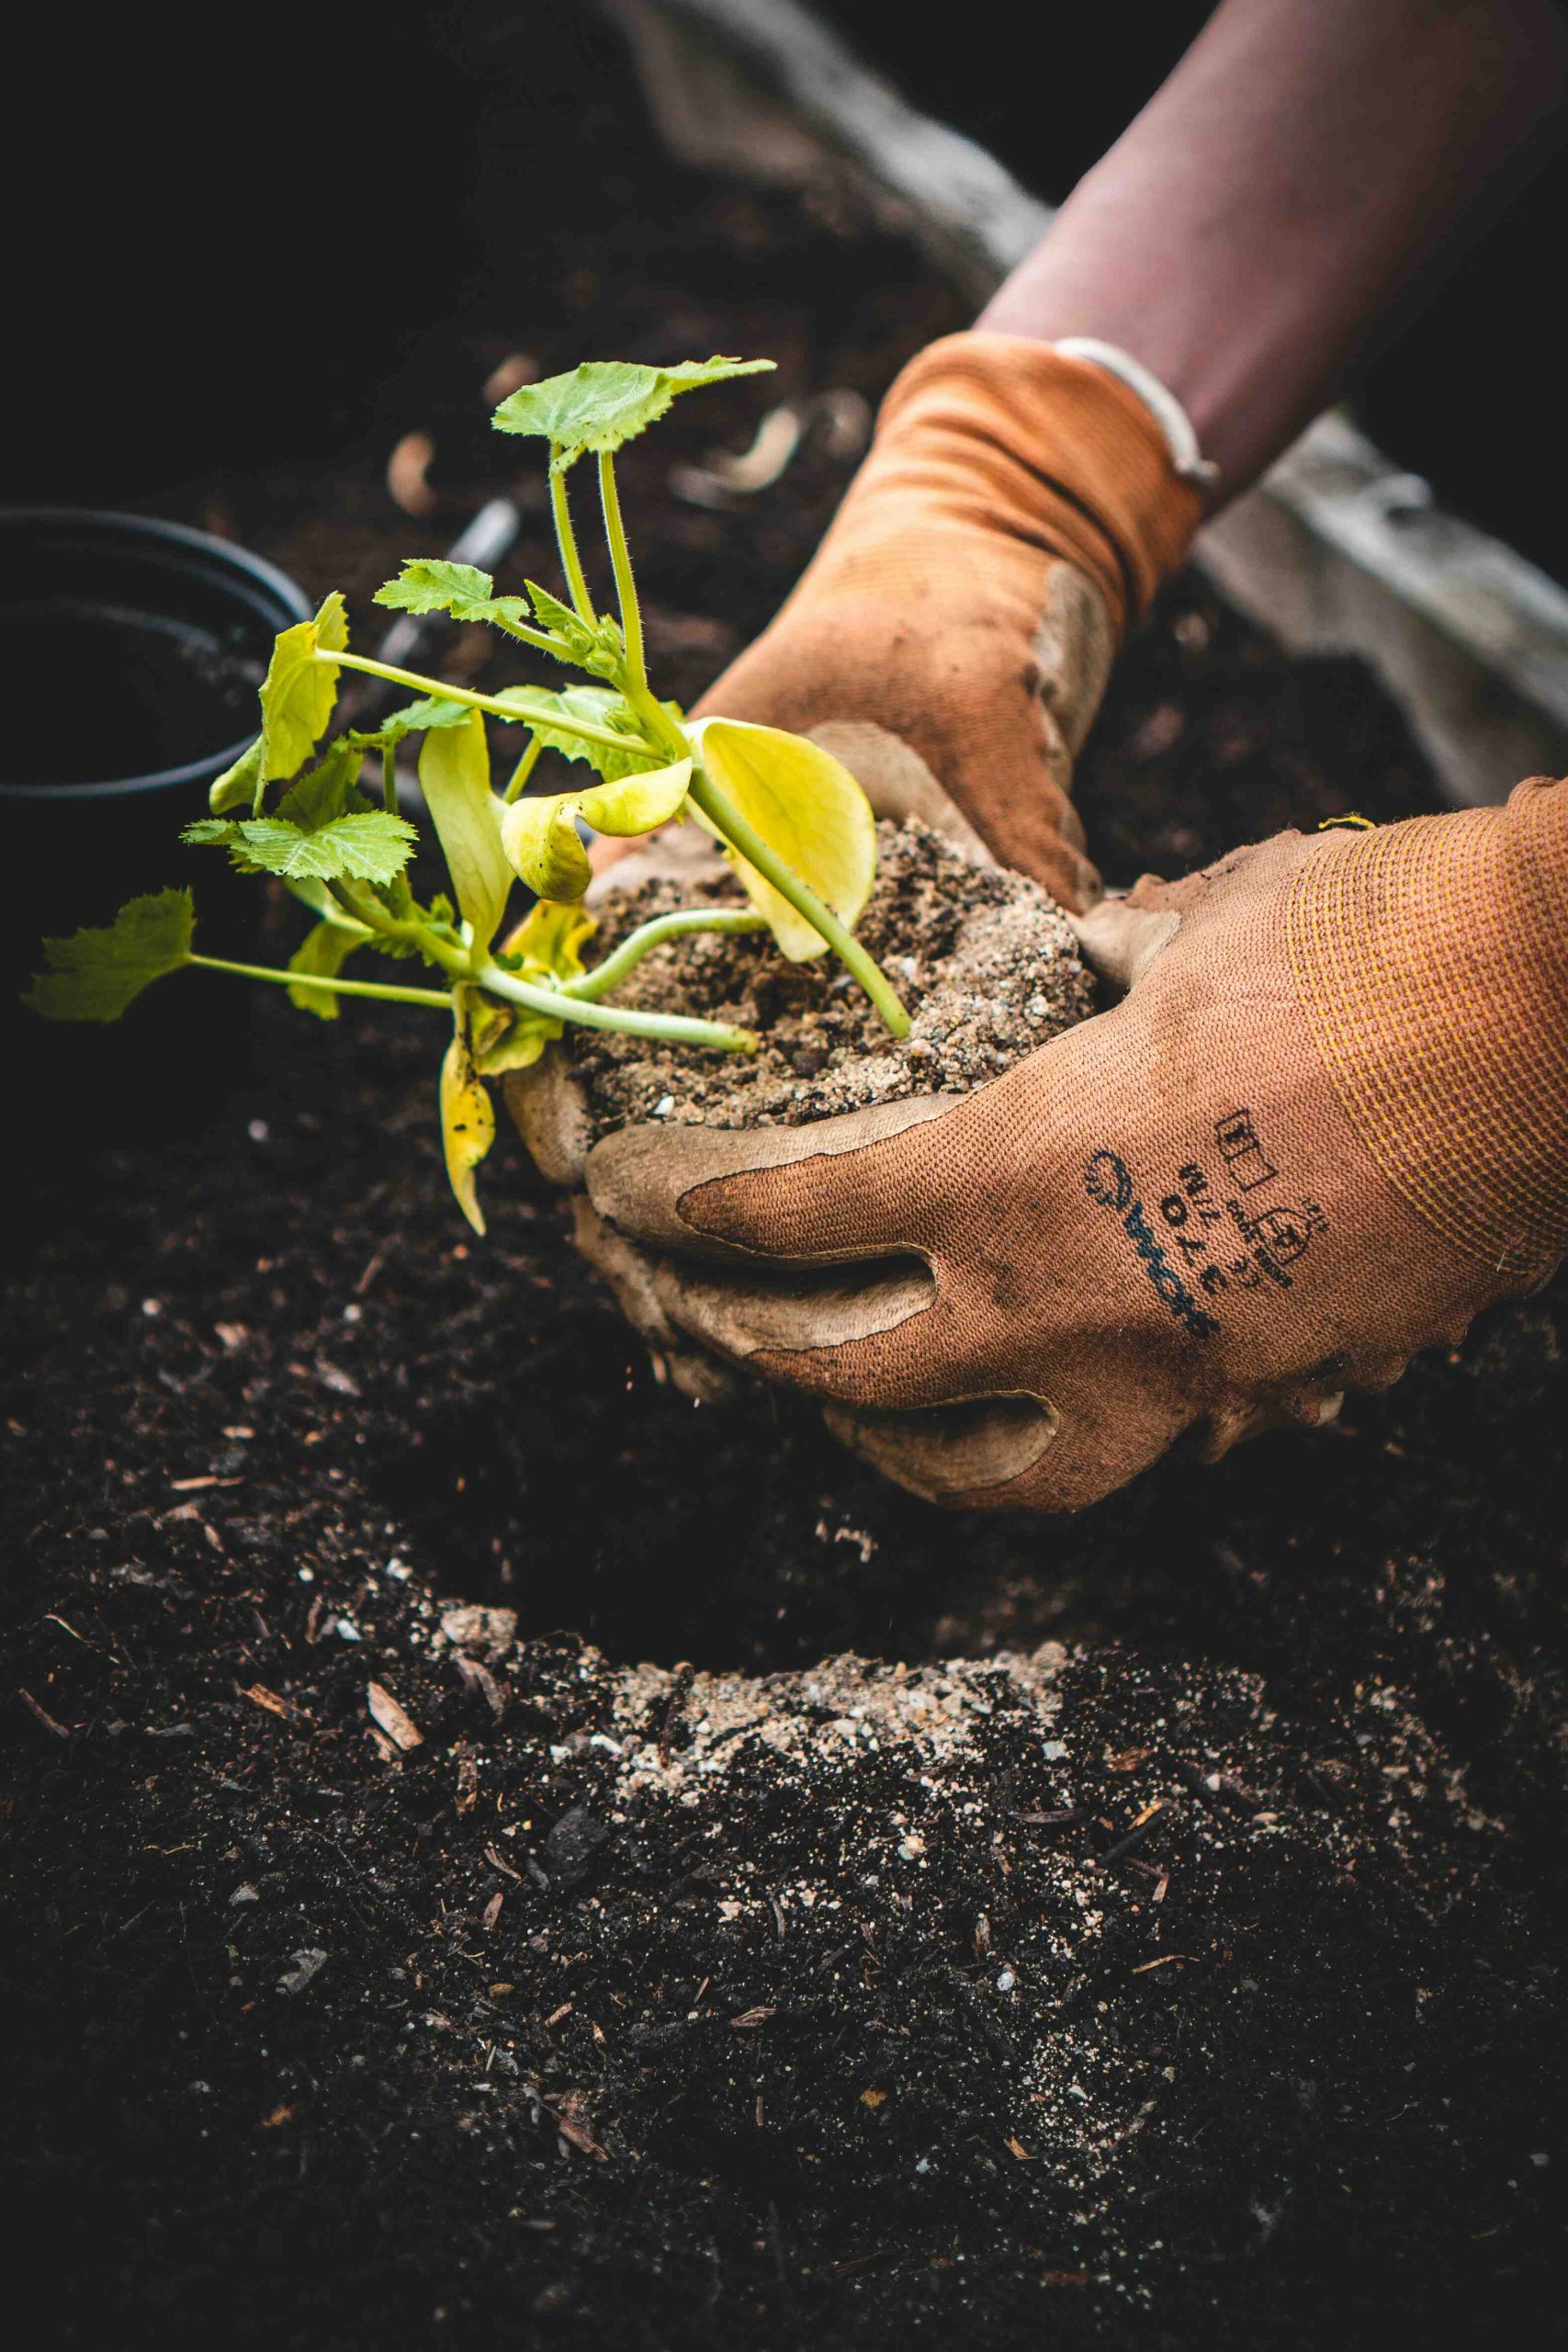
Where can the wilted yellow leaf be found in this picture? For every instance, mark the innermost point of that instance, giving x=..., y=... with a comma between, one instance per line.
x=636, y=804
x=807, y=808
x=541, y=841
x=467, y=1123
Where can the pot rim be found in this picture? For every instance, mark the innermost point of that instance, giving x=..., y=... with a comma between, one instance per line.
x=228, y=557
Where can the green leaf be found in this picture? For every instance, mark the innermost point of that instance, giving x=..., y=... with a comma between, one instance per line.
x=323, y=951
x=298, y=692
x=541, y=840
x=413, y=719
x=430, y=584
x=371, y=847
x=605, y=403
x=807, y=808
x=94, y=974
x=238, y=785
x=454, y=774
x=467, y=1119
x=327, y=792
x=216, y=833
x=538, y=706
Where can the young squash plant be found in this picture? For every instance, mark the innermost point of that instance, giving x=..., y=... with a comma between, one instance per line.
x=793, y=822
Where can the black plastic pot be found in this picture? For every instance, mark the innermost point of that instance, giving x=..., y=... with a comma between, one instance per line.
x=130, y=650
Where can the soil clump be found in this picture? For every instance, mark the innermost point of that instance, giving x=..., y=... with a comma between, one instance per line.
x=984, y=959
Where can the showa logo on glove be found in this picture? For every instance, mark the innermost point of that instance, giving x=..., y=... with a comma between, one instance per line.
x=1190, y=1240
x=793, y=822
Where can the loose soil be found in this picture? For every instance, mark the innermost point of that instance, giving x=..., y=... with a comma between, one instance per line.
x=984, y=960
x=501, y=1854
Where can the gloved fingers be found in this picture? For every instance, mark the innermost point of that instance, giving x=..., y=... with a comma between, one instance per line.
x=870, y=1335
x=1111, y=1423
x=1194, y=894
x=762, y=1192
x=897, y=781
x=631, y=1276
x=893, y=776
x=1120, y=940
x=1236, y=1420
x=549, y=1110
x=944, y=1452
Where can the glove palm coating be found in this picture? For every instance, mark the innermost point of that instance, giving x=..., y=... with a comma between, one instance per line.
x=1326, y=1125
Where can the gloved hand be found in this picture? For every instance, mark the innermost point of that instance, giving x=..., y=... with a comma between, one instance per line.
x=1015, y=516
x=1328, y=1124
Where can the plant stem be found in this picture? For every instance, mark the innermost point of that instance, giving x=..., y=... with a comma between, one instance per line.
x=372, y=917
x=637, y=943
x=565, y=724
x=625, y=585
x=673, y=1027
x=391, y=995
x=726, y=819
x=566, y=540
x=523, y=769
x=389, y=779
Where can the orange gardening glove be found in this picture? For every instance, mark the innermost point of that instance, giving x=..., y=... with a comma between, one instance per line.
x=1326, y=1126
x=1017, y=513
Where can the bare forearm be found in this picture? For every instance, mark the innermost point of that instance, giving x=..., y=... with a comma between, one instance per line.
x=1302, y=163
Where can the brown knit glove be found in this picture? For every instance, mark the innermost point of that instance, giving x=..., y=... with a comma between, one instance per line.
x=1016, y=513
x=1328, y=1124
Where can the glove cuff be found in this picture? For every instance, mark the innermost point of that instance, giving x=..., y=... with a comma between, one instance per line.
x=1431, y=961
x=1054, y=448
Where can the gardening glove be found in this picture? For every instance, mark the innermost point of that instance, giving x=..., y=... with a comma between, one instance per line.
x=1017, y=512
x=1327, y=1123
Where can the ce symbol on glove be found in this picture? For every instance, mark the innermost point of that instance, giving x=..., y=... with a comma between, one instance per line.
x=1018, y=1297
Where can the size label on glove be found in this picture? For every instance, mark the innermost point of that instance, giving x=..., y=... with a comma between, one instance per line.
x=1210, y=1233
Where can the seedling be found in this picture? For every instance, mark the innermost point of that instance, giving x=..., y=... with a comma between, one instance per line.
x=794, y=824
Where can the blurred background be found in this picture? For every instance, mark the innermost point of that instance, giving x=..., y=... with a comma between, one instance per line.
x=252, y=254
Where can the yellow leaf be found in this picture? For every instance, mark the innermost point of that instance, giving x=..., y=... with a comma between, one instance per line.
x=467, y=1123
x=808, y=808
x=541, y=840
x=550, y=937
x=454, y=774
x=298, y=692
x=636, y=804
x=518, y=1048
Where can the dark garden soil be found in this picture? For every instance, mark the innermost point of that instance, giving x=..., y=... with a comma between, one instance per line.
x=463, y=1890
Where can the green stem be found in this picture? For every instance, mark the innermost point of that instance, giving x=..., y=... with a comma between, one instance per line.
x=625, y=585
x=566, y=540
x=382, y=989
x=523, y=769
x=649, y=935
x=673, y=1027
x=726, y=819
x=566, y=724
x=390, y=778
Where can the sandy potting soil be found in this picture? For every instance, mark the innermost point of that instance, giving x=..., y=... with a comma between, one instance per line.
x=499, y=1854
x=983, y=958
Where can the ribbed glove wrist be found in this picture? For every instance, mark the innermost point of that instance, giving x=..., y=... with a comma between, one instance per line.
x=1000, y=431
x=1431, y=961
